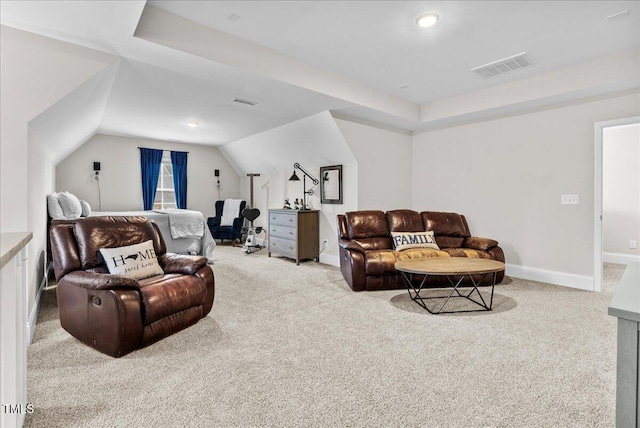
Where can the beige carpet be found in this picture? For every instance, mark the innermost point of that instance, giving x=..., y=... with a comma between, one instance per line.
x=289, y=345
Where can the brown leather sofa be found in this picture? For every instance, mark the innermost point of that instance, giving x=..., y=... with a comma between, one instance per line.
x=367, y=257
x=117, y=314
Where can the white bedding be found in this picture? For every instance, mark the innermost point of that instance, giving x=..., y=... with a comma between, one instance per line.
x=185, y=223
x=184, y=231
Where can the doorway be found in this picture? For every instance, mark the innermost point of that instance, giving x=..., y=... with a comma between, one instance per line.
x=599, y=128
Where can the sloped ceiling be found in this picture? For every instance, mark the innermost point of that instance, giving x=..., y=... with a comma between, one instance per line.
x=75, y=118
x=313, y=141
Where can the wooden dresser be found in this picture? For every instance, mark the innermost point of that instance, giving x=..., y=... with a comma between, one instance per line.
x=294, y=234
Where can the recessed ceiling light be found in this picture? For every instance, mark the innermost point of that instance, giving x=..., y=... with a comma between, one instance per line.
x=427, y=20
x=403, y=86
x=193, y=124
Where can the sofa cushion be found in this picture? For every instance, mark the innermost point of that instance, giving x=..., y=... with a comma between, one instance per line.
x=380, y=262
x=468, y=252
x=445, y=241
x=169, y=294
x=378, y=243
x=405, y=240
x=449, y=224
x=369, y=229
x=480, y=243
x=420, y=253
x=405, y=221
x=366, y=224
x=94, y=233
x=450, y=228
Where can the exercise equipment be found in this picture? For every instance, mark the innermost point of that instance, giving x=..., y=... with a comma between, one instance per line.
x=250, y=244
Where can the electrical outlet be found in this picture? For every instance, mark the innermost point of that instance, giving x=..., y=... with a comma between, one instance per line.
x=569, y=199
x=325, y=243
x=633, y=244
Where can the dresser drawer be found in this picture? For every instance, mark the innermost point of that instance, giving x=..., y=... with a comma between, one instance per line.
x=285, y=247
x=283, y=231
x=283, y=219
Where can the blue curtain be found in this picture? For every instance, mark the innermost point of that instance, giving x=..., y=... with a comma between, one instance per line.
x=179, y=163
x=150, y=160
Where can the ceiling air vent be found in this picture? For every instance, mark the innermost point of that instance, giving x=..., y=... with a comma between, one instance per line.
x=502, y=66
x=247, y=102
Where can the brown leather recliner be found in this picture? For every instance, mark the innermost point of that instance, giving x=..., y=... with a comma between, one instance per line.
x=117, y=314
x=367, y=257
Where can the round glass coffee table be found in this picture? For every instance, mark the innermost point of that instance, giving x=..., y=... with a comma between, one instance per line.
x=456, y=269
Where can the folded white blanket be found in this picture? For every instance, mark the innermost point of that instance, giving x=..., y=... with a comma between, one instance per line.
x=230, y=211
x=185, y=223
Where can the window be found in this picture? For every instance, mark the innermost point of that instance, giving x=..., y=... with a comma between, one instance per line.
x=165, y=194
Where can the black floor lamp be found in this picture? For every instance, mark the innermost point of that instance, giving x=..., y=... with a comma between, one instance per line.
x=294, y=177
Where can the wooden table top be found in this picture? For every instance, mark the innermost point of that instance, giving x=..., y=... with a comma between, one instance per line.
x=449, y=266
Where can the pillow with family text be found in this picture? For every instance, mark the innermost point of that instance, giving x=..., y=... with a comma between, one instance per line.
x=405, y=240
x=135, y=261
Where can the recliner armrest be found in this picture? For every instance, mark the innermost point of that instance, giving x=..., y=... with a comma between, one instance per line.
x=98, y=281
x=181, y=264
x=483, y=244
x=350, y=245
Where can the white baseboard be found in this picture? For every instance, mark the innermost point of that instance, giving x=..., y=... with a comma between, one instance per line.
x=572, y=280
x=330, y=259
x=619, y=258
x=33, y=316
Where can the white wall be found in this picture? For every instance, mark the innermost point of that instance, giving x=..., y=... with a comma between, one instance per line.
x=507, y=175
x=270, y=190
x=313, y=142
x=35, y=73
x=40, y=182
x=120, y=187
x=384, y=165
x=621, y=189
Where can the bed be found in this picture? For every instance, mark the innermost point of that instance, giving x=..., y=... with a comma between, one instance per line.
x=184, y=231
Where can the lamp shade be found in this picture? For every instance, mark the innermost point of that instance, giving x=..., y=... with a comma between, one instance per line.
x=294, y=176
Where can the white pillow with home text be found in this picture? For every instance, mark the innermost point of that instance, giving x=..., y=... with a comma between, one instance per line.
x=135, y=261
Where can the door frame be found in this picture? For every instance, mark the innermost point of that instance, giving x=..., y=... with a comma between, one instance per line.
x=598, y=128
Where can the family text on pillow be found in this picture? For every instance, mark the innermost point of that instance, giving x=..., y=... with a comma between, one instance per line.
x=405, y=240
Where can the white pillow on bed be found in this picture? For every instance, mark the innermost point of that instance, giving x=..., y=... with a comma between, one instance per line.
x=70, y=205
x=55, y=210
x=86, y=208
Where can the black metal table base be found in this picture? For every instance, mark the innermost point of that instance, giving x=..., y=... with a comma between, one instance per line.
x=420, y=300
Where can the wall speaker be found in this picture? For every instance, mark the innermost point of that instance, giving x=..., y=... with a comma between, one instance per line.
x=217, y=172
x=96, y=166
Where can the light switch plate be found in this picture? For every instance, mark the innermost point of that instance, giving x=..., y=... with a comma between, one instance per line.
x=569, y=199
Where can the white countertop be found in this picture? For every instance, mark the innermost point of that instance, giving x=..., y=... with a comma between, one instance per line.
x=626, y=300
x=11, y=244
